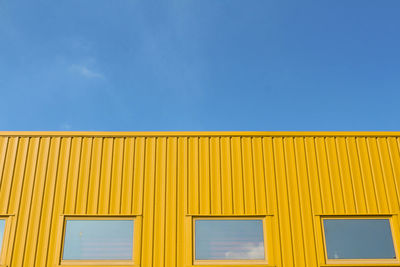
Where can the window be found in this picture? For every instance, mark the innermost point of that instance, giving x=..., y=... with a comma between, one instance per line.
x=5, y=225
x=2, y=230
x=98, y=239
x=359, y=239
x=222, y=240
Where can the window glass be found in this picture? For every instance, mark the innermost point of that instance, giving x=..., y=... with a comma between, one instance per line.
x=229, y=240
x=2, y=227
x=358, y=239
x=98, y=240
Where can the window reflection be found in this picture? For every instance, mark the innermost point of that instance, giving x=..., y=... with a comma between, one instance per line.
x=359, y=239
x=2, y=227
x=229, y=240
x=98, y=240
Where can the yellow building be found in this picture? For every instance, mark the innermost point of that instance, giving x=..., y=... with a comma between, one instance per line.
x=186, y=199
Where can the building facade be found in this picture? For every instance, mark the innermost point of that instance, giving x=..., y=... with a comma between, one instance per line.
x=187, y=199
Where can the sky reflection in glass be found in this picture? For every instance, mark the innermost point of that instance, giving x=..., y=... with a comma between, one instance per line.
x=2, y=227
x=98, y=240
x=359, y=239
x=229, y=240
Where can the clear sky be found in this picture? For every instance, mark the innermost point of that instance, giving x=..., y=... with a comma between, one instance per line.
x=204, y=65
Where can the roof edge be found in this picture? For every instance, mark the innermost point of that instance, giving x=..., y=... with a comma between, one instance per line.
x=197, y=133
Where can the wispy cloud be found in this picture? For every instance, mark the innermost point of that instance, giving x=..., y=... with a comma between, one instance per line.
x=65, y=126
x=86, y=72
x=251, y=250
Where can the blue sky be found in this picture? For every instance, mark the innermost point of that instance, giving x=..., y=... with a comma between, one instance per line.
x=201, y=65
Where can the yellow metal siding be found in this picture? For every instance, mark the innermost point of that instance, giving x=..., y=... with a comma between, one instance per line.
x=166, y=178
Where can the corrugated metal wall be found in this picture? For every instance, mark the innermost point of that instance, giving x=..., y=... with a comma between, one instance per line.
x=166, y=178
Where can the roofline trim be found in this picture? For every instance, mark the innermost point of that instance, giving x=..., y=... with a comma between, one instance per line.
x=197, y=134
